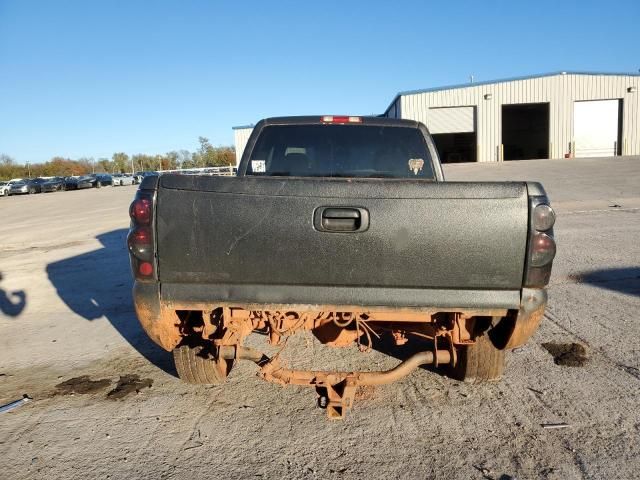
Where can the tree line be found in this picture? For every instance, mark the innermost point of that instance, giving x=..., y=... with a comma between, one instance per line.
x=206, y=156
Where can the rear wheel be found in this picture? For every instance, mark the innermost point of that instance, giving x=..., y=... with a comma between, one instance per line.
x=197, y=364
x=479, y=362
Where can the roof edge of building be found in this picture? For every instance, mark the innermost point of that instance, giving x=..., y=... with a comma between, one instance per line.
x=504, y=80
x=242, y=127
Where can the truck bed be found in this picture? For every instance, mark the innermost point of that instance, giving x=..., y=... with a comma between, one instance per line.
x=255, y=241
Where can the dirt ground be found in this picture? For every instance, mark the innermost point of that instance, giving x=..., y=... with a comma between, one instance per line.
x=107, y=404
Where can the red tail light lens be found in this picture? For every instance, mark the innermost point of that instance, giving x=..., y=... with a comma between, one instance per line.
x=140, y=211
x=541, y=245
x=543, y=249
x=145, y=269
x=140, y=239
x=141, y=235
x=340, y=119
x=140, y=242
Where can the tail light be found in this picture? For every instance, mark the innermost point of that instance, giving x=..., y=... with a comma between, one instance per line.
x=543, y=249
x=140, y=239
x=140, y=210
x=140, y=243
x=543, y=217
x=340, y=119
x=542, y=246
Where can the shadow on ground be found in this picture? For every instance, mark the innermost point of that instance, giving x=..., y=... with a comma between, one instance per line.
x=12, y=303
x=98, y=284
x=623, y=280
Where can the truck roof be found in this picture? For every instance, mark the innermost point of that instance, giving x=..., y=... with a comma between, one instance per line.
x=339, y=120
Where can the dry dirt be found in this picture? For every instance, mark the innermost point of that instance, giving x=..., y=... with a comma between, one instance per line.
x=66, y=314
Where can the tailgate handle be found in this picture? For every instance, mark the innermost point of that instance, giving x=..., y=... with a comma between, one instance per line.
x=341, y=219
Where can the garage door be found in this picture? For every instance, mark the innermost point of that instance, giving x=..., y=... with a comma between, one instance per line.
x=451, y=120
x=596, y=128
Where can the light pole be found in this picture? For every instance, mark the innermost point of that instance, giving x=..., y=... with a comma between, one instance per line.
x=28, y=170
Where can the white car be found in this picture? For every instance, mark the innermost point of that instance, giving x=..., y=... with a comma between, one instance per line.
x=6, y=186
x=122, y=179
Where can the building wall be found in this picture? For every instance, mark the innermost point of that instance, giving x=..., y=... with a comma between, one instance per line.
x=560, y=91
x=394, y=109
x=241, y=137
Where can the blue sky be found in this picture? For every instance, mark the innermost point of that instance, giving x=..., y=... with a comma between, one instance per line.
x=85, y=78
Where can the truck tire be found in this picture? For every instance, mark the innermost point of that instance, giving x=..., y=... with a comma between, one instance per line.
x=478, y=363
x=195, y=365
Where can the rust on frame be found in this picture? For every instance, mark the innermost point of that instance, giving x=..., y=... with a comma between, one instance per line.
x=381, y=313
x=336, y=390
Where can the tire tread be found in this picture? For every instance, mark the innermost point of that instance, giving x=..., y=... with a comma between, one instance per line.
x=194, y=368
x=479, y=363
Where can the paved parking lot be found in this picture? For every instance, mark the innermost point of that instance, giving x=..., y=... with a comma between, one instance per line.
x=66, y=303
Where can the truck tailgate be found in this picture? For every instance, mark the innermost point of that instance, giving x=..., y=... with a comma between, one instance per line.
x=253, y=240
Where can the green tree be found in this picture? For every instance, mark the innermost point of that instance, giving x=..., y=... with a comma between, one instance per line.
x=8, y=167
x=210, y=156
x=121, y=162
x=206, y=153
x=104, y=165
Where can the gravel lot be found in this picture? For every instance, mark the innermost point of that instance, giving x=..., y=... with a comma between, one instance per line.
x=64, y=254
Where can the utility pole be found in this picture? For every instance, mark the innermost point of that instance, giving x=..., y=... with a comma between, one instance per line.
x=28, y=170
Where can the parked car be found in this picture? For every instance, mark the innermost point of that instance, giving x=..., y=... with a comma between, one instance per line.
x=94, y=180
x=52, y=184
x=139, y=176
x=27, y=186
x=19, y=188
x=343, y=226
x=100, y=179
x=77, y=182
x=122, y=179
x=4, y=189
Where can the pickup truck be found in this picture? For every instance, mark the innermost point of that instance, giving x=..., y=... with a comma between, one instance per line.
x=343, y=226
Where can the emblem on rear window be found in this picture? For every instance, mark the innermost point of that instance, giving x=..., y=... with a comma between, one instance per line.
x=415, y=165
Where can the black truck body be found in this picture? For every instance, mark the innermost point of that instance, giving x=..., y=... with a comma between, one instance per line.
x=405, y=244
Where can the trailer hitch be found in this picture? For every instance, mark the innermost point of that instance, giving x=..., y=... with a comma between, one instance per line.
x=336, y=390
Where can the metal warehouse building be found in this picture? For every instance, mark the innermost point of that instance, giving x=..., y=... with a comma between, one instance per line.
x=564, y=114
x=556, y=115
x=241, y=137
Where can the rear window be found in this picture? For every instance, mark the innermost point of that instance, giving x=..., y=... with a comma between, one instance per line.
x=341, y=151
